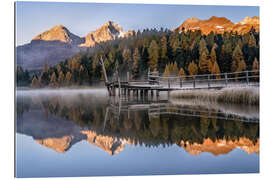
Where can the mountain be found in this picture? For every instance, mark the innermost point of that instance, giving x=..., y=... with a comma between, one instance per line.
x=107, y=32
x=58, y=43
x=111, y=145
x=219, y=25
x=246, y=24
x=221, y=146
x=53, y=46
x=59, y=33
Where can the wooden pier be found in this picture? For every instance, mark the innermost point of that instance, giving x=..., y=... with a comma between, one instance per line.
x=157, y=108
x=155, y=83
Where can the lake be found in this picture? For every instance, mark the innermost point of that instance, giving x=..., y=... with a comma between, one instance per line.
x=61, y=133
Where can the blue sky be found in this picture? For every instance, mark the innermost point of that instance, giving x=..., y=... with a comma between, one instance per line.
x=33, y=18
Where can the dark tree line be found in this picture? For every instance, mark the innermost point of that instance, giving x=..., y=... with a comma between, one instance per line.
x=22, y=77
x=170, y=53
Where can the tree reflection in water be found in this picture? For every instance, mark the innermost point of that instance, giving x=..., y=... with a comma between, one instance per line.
x=59, y=121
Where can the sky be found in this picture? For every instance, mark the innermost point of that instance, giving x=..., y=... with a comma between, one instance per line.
x=33, y=18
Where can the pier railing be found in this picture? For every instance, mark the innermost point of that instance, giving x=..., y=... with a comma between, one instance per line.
x=157, y=109
x=206, y=80
x=157, y=83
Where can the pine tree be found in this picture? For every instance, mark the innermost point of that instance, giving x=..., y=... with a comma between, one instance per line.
x=153, y=51
x=68, y=79
x=237, y=57
x=192, y=68
x=83, y=75
x=216, y=70
x=127, y=58
x=35, y=83
x=53, y=81
x=174, y=42
x=245, y=38
x=58, y=68
x=163, y=54
x=203, y=61
x=166, y=72
x=255, y=65
x=240, y=43
x=244, y=65
x=174, y=70
x=237, y=54
x=234, y=66
x=184, y=44
x=112, y=55
x=136, y=59
x=44, y=79
x=204, y=56
x=182, y=73
x=251, y=41
x=202, y=46
x=210, y=65
x=210, y=39
x=75, y=71
x=61, y=78
x=213, y=55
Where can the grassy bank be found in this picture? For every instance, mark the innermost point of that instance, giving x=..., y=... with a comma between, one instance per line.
x=239, y=95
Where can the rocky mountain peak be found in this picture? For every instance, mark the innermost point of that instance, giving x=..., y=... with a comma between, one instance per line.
x=250, y=20
x=112, y=28
x=58, y=33
x=221, y=146
x=215, y=19
x=219, y=25
x=108, y=31
x=192, y=20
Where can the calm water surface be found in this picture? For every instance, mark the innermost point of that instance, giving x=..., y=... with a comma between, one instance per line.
x=85, y=133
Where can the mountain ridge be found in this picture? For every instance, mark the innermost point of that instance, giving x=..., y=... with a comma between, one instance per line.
x=58, y=43
x=219, y=25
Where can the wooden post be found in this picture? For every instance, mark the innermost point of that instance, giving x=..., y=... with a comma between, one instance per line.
x=193, y=81
x=128, y=113
x=127, y=76
x=109, y=91
x=226, y=79
x=157, y=93
x=141, y=92
x=145, y=92
x=103, y=68
x=208, y=80
x=152, y=93
x=181, y=82
x=148, y=74
x=247, y=77
x=113, y=90
x=119, y=87
x=169, y=85
x=128, y=92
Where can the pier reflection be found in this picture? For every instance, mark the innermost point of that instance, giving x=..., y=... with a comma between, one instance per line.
x=59, y=121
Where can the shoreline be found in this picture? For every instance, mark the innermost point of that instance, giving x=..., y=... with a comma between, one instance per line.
x=232, y=95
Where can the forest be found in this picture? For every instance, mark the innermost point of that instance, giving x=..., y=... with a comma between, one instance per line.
x=168, y=52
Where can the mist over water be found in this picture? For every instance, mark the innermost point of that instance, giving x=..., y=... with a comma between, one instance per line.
x=84, y=132
x=62, y=91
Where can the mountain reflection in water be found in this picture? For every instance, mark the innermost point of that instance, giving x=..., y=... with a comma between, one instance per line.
x=58, y=121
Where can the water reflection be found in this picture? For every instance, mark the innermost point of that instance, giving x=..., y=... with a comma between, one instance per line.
x=60, y=120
